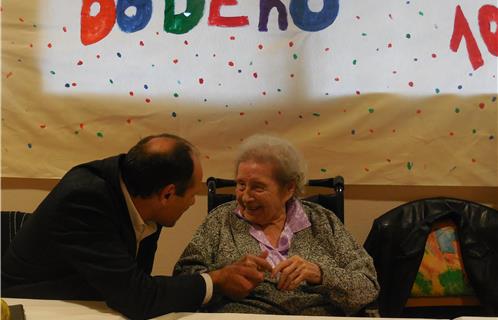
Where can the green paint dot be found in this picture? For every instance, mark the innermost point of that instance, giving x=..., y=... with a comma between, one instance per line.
x=420, y=13
x=176, y=95
x=323, y=170
x=409, y=165
x=76, y=132
x=354, y=62
x=457, y=110
x=437, y=90
x=474, y=131
x=371, y=110
x=408, y=36
x=110, y=80
x=316, y=114
x=279, y=90
x=52, y=72
x=295, y=56
x=363, y=34
x=100, y=134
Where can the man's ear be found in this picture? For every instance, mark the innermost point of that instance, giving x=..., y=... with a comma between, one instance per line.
x=168, y=191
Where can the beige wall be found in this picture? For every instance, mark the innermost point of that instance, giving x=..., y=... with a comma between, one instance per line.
x=362, y=205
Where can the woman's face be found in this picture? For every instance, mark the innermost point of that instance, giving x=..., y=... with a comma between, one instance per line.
x=262, y=200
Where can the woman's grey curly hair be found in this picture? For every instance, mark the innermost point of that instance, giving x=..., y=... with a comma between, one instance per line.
x=288, y=162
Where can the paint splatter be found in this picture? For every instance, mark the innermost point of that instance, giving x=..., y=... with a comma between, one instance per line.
x=409, y=165
x=100, y=134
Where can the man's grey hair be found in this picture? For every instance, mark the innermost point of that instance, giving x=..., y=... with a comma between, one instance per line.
x=289, y=165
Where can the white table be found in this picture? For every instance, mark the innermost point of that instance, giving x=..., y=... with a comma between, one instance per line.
x=36, y=309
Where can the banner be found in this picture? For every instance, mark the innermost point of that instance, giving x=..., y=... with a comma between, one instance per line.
x=380, y=92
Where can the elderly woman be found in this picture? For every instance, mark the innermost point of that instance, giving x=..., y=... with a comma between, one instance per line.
x=318, y=268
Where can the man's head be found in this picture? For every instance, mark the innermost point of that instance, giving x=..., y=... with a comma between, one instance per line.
x=162, y=174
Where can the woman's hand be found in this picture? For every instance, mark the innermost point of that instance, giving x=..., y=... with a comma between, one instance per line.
x=295, y=270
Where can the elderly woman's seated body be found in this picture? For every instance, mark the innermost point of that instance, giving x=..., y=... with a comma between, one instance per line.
x=317, y=267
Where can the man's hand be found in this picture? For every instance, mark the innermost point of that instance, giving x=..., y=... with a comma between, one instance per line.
x=295, y=270
x=237, y=280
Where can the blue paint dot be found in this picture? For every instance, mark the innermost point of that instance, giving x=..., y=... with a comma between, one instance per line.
x=146, y=87
x=239, y=71
x=460, y=87
x=119, y=54
x=52, y=72
x=30, y=145
x=67, y=85
x=437, y=90
x=493, y=99
x=173, y=114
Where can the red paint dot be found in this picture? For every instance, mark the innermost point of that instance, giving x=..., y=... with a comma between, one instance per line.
x=260, y=46
x=31, y=45
x=131, y=93
x=337, y=79
x=242, y=113
x=43, y=126
x=419, y=111
x=98, y=56
x=255, y=75
x=147, y=100
x=201, y=81
x=9, y=74
x=185, y=42
x=482, y=105
x=49, y=45
x=366, y=169
x=389, y=45
x=141, y=43
x=452, y=133
x=434, y=55
x=74, y=84
x=175, y=61
x=279, y=113
x=291, y=44
x=358, y=92
x=388, y=160
x=128, y=120
x=263, y=93
x=292, y=75
x=474, y=160
x=231, y=64
x=157, y=33
x=394, y=130
x=266, y=122
x=21, y=19
x=64, y=29
x=411, y=84
x=82, y=125
x=232, y=38
x=327, y=49
x=80, y=62
x=207, y=157
x=371, y=130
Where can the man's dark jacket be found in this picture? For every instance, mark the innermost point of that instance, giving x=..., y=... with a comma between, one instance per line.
x=397, y=240
x=80, y=244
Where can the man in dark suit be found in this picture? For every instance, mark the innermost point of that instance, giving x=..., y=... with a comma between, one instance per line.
x=95, y=235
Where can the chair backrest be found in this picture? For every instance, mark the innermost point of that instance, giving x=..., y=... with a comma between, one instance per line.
x=333, y=199
x=12, y=222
